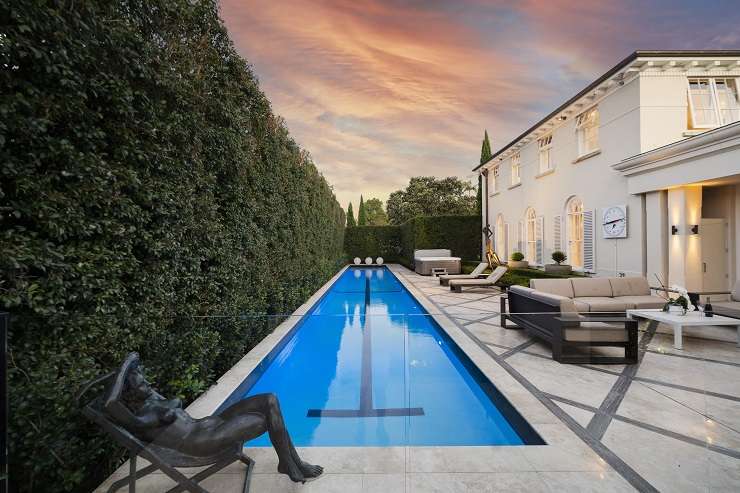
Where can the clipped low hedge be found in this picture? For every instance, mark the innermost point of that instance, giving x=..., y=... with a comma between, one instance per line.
x=144, y=183
x=373, y=241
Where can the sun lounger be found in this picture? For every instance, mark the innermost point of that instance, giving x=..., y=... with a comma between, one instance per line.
x=477, y=272
x=457, y=284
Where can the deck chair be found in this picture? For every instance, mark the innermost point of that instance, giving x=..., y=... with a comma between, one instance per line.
x=161, y=458
x=456, y=285
x=475, y=274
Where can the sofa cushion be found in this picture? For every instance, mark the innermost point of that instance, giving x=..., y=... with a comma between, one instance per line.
x=642, y=302
x=604, y=304
x=629, y=286
x=596, y=286
x=735, y=294
x=566, y=304
x=596, y=332
x=581, y=306
x=561, y=287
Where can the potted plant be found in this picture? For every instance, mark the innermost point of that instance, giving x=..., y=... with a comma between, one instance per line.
x=517, y=261
x=558, y=267
x=679, y=304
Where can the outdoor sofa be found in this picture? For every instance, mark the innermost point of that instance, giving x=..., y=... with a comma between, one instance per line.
x=426, y=260
x=556, y=319
x=602, y=294
x=729, y=308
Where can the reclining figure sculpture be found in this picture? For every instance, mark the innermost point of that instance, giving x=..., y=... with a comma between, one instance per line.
x=134, y=405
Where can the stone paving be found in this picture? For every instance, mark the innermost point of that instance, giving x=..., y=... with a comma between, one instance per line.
x=670, y=423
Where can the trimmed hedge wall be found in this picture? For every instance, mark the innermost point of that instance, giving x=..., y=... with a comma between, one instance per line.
x=461, y=234
x=373, y=241
x=144, y=181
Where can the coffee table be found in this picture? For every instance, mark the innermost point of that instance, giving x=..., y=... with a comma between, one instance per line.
x=678, y=322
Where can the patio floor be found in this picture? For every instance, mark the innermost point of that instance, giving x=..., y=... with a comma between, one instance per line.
x=670, y=423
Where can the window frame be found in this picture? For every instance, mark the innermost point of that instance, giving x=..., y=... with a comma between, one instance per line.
x=544, y=145
x=574, y=224
x=719, y=119
x=530, y=225
x=582, y=125
x=516, y=164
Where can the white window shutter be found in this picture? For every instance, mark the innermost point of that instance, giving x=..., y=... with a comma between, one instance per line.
x=539, y=237
x=505, y=253
x=556, y=234
x=589, y=254
x=520, y=238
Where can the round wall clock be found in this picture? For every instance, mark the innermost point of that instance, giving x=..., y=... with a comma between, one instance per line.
x=614, y=221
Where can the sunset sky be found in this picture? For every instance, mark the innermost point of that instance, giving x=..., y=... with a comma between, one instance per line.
x=379, y=91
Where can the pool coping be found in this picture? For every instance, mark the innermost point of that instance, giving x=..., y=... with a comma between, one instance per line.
x=564, y=453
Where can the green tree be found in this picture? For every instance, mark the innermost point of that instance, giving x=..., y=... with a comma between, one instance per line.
x=362, y=214
x=375, y=213
x=350, y=216
x=430, y=196
x=485, y=150
x=485, y=155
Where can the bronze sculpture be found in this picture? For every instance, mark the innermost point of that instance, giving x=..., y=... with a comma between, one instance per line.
x=134, y=405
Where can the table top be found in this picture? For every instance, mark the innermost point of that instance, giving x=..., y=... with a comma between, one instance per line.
x=691, y=318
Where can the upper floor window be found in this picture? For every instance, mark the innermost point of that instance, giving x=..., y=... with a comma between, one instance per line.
x=587, y=129
x=494, y=179
x=545, y=145
x=713, y=101
x=516, y=163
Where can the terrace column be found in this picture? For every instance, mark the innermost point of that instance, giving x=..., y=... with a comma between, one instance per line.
x=657, y=232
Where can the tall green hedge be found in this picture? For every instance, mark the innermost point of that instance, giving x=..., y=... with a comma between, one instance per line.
x=144, y=182
x=461, y=234
x=373, y=241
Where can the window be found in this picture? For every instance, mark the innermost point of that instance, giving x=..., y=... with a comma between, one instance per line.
x=516, y=163
x=545, y=144
x=574, y=225
x=587, y=129
x=500, y=237
x=713, y=102
x=531, y=232
x=494, y=184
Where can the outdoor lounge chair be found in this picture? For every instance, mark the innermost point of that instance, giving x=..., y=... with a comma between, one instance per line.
x=477, y=272
x=456, y=285
x=161, y=458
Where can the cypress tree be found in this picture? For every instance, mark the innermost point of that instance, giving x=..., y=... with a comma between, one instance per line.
x=485, y=151
x=361, y=214
x=350, y=216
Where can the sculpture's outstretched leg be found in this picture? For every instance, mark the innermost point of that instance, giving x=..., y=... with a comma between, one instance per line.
x=267, y=405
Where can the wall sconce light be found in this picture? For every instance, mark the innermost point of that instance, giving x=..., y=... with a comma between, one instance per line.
x=674, y=229
x=694, y=229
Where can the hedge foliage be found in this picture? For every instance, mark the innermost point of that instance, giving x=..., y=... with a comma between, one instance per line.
x=461, y=234
x=144, y=180
x=373, y=241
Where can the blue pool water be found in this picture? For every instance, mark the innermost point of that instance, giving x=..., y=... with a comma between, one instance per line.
x=367, y=366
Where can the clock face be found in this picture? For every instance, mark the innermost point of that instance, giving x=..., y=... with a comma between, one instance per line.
x=614, y=222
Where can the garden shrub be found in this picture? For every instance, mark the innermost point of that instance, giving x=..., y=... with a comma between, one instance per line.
x=373, y=241
x=461, y=234
x=144, y=183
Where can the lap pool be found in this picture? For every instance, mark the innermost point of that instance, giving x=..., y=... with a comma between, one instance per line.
x=367, y=366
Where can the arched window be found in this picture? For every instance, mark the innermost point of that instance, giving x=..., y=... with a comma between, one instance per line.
x=531, y=232
x=574, y=225
x=500, y=237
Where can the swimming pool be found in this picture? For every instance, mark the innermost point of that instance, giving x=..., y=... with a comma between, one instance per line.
x=367, y=366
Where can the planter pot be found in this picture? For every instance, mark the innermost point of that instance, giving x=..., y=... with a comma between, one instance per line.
x=518, y=264
x=558, y=269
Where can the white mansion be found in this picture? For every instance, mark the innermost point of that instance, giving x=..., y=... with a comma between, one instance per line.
x=638, y=174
